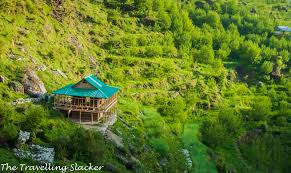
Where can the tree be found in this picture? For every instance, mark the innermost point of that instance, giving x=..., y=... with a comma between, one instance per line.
x=164, y=21
x=206, y=55
x=267, y=67
x=174, y=108
x=33, y=118
x=227, y=126
x=144, y=7
x=261, y=108
x=250, y=52
x=213, y=133
x=230, y=121
x=213, y=19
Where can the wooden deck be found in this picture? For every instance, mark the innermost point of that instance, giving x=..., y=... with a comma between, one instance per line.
x=86, y=110
x=84, y=104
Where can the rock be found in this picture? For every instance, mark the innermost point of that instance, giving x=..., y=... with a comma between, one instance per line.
x=74, y=41
x=17, y=87
x=187, y=156
x=23, y=137
x=23, y=31
x=2, y=79
x=111, y=120
x=33, y=86
x=174, y=94
x=37, y=153
x=42, y=67
x=59, y=72
x=116, y=140
x=39, y=65
x=92, y=61
x=34, y=60
x=26, y=100
x=135, y=160
x=125, y=161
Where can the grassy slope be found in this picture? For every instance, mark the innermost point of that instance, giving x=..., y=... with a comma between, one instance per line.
x=198, y=151
x=31, y=37
x=29, y=32
x=269, y=7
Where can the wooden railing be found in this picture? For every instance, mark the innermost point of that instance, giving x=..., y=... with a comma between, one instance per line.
x=84, y=104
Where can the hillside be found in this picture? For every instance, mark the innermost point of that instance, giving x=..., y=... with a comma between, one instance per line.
x=202, y=80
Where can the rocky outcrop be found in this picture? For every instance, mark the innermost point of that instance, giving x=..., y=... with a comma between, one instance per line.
x=23, y=137
x=33, y=86
x=17, y=87
x=2, y=79
x=59, y=72
x=32, y=151
x=125, y=157
x=187, y=156
x=115, y=139
x=129, y=161
x=26, y=100
x=37, y=153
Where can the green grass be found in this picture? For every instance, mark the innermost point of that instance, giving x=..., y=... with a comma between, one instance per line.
x=198, y=151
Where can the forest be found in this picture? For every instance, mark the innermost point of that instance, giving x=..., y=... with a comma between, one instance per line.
x=205, y=84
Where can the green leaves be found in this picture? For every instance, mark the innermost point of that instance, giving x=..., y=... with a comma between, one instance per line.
x=250, y=53
x=261, y=108
x=267, y=67
x=222, y=129
x=34, y=115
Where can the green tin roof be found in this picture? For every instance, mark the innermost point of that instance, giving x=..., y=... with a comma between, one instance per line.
x=99, y=89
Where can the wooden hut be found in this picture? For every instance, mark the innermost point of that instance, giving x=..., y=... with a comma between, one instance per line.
x=88, y=101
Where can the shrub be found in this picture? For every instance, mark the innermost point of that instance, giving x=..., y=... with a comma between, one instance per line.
x=33, y=118
x=213, y=133
x=86, y=146
x=174, y=108
x=261, y=108
x=8, y=131
x=206, y=55
x=160, y=145
x=152, y=51
x=231, y=122
x=267, y=67
x=8, y=134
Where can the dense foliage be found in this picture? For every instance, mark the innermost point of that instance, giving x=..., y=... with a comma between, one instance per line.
x=217, y=65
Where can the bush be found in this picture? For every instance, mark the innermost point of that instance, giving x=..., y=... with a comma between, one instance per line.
x=8, y=131
x=152, y=51
x=231, y=122
x=261, y=108
x=267, y=67
x=86, y=146
x=226, y=127
x=33, y=118
x=160, y=145
x=205, y=55
x=213, y=133
x=174, y=108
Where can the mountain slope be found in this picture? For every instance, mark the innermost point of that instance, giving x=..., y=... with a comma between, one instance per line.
x=206, y=63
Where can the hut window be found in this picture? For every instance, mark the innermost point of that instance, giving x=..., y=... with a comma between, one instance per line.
x=87, y=99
